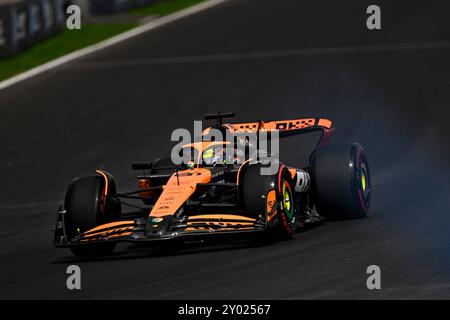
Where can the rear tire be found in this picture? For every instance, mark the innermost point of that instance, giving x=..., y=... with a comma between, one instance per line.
x=86, y=209
x=341, y=182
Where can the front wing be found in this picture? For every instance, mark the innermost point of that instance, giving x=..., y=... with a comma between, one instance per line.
x=154, y=230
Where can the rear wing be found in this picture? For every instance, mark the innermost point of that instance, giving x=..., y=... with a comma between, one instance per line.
x=288, y=128
x=292, y=126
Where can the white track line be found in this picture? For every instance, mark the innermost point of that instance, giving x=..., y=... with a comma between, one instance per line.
x=109, y=42
x=226, y=57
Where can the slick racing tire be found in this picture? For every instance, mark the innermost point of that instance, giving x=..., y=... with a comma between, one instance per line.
x=86, y=209
x=341, y=181
x=288, y=204
x=255, y=186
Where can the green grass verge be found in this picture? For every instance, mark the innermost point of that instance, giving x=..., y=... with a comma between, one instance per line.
x=65, y=42
x=68, y=41
x=163, y=8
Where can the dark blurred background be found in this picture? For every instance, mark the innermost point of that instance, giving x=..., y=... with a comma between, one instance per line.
x=388, y=89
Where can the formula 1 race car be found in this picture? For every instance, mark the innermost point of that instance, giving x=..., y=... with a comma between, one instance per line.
x=205, y=198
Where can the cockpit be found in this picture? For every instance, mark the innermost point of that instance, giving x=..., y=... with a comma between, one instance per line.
x=207, y=154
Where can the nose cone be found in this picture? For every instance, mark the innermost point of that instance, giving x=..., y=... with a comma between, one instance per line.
x=178, y=189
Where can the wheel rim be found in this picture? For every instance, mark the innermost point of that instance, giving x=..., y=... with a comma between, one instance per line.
x=287, y=201
x=365, y=180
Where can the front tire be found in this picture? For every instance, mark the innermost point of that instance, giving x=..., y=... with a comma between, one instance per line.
x=341, y=181
x=288, y=211
x=254, y=187
x=86, y=208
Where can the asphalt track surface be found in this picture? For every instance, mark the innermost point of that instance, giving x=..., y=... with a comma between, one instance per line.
x=387, y=89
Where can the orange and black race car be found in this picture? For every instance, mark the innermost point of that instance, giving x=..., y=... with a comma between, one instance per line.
x=210, y=197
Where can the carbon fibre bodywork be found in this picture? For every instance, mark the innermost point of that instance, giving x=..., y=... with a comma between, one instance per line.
x=196, y=202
